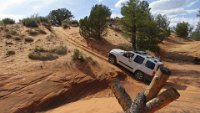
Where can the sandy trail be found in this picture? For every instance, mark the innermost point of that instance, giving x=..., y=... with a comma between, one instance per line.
x=29, y=86
x=185, y=78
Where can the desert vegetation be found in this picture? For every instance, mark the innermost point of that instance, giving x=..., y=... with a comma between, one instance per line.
x=7, y=21
x=78, y=56
x=48, y=60
x=183, y=29
x=40, y=53
x=10, y=53
x=56, y=17
x=28, y=39
x=196, y=33
x=142, y=27
x=34, y=21
x=29, y=22
x=94, y=25
x=138, y=24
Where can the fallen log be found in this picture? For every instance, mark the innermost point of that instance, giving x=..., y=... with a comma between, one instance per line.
x=161, y=100
x=148, y=101
x=123, y=98
x=138, y=105
x=157, y=83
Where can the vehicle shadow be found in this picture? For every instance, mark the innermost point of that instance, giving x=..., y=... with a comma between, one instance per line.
x=130, y=74
x=175, y=85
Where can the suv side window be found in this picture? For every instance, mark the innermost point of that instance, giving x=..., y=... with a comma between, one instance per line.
x=150, y=65
x=138, y=59
x=128, y=55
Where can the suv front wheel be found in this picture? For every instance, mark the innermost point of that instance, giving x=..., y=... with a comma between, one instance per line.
x=139, y=75
x=112, y=59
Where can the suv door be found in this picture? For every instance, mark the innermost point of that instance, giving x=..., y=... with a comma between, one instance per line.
x=126, y=60
x=137, y=62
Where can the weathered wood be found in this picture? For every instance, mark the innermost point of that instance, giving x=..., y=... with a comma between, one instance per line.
x=138, y=105
x=157, y=83
x=161, y=100
x=121, y=95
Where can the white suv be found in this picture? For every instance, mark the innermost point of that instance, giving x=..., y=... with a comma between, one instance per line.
x=142, y=65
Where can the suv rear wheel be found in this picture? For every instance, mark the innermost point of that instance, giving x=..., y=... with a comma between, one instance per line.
x=112, y=59
x=139, y=75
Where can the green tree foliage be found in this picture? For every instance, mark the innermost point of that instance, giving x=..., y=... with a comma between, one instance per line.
x=34, y=21
x=162, y=21
x=74, y=23
x=196, y=34
x=57, y=16
x=7, y=21
x=29, y=22
x=134, y=13
x=66, y=23
x=94, y=25
x=148, y=36
x=140, y=25
x=183, y=29
x=163, y=24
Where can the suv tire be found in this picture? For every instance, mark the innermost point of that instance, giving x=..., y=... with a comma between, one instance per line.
x=139, y=75
x=112, y=59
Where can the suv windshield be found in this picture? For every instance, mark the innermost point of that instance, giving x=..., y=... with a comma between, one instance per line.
x=128, y=55
x=150, y=65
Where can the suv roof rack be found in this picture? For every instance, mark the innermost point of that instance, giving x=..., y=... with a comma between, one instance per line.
x=141, y=52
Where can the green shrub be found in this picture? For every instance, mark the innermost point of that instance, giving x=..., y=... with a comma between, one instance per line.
x=29, y=39
x=8, y=43
x=10, y=53
x=74, y=23
x=94, y=26
x=65, y=24
x=17, y=38
x=32, y=32
x=77, y=55
x=195, y=36
x=40, y=49
x=61, y=50
x=7, y=21
x=30, y=22
x=196, y=33
x=13, y=32
x=183, y=29
x=42, y=56
x=40, y=53
x=8, y=36
x=41, y=19
x=1, y=23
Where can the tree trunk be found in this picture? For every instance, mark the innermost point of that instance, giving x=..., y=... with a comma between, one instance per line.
x=162, y=100
x=99, y=33
x=133, y=38
x=123, y=98
x=138, y=105
x=157, y=83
